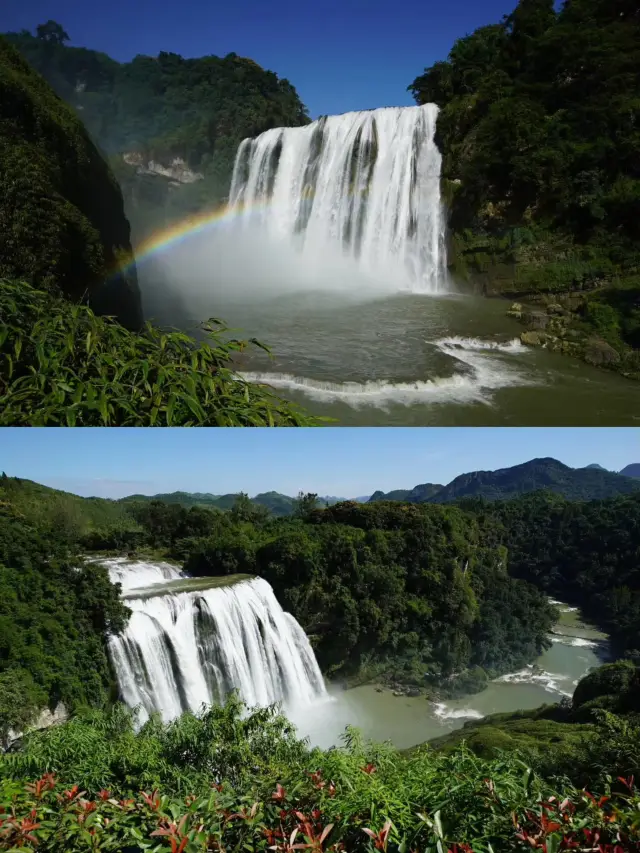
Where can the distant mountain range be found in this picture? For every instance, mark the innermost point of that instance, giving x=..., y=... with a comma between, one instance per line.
x=631, y=470
x=275, y=502
x=591, y=483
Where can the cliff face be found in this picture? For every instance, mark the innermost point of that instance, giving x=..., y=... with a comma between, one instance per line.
x=62, y=218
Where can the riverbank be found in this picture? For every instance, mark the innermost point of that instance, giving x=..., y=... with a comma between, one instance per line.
x=576, y=648
x=582, y=325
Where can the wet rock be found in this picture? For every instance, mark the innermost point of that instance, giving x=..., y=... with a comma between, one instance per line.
x=599, y=352
x=536, y=320
x=532, y=339
x=413, y=691
x=515, y=311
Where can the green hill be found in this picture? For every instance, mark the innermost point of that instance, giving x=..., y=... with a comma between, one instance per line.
x=276, y=503
x=42, y=506
x=184, y=116
x=591, y=483
x=61, y=210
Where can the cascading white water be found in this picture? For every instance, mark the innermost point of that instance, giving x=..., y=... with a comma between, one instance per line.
x=140, y=574
x=366, y=182
x=183, y=650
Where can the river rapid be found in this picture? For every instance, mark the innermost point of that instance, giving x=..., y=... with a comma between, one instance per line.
x=405, y=721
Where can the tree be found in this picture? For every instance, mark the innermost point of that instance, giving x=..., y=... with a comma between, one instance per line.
x=305, y=505
x=244, y=509
x=52, y=33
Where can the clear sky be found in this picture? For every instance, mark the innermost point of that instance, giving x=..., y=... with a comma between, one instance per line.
x=333, y=461
x=339, y=54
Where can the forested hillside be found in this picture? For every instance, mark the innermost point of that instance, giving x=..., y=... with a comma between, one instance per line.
x=425, y=590
x=589, y=483
x=61, y=212
x=584, y=553
x=184, y=116
x=540, y=139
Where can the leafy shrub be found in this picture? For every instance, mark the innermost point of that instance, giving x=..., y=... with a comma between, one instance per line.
x=60, y=364
x=359, y=797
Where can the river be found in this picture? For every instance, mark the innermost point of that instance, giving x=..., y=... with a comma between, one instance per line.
x=408, y=359
x=405, y=721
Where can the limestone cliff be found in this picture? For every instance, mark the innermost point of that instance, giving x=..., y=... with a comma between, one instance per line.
x=62, y=221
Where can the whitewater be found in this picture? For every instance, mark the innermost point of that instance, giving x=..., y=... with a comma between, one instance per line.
x=185, y=650
x=365, y=184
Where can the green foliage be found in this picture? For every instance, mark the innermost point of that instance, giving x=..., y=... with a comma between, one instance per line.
x=539, y=135
x=585, y=553
x=416, y=589
x=233, y=782
x=60, y=364
x=20, y=701
x=164, y=107
x=55, y=614
x=61, y=210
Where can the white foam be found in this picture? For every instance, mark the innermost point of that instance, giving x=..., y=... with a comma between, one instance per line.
x=443, y=712
x=576, y=642
x=456, y=342
x=487, y=373
x=562, y=607
x=548, y=680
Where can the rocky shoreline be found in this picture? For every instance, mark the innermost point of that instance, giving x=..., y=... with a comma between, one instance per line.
x=557, y=326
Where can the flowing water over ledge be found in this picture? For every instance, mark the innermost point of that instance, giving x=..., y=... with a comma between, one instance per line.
x=190, y=641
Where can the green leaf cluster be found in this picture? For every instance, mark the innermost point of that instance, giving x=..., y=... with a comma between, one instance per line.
x=61, y=365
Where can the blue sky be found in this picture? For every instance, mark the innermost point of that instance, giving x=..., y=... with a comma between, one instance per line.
x=333, y=461
x=340, y=54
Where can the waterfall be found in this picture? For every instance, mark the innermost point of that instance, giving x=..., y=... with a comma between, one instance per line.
x=367, y=182
x=181, y=650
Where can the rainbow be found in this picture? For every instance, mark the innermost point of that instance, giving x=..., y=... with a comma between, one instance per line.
x=177, y=233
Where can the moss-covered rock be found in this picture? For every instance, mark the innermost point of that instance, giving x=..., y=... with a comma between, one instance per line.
x=61, y=212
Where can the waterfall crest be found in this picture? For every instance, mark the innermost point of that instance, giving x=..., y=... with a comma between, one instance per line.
x=366, y=182
x=182, y=650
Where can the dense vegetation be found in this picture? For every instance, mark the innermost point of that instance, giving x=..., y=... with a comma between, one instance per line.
x=540, y=139
x=537, y=474
x=156, y=109
x=221, y=781
x=61, y=365
x=61, y=211
x=425, y=586
x=586, y=553
x=55, y=614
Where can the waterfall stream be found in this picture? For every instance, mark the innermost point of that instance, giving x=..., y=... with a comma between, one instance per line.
x=185, y=649
x=367, y=182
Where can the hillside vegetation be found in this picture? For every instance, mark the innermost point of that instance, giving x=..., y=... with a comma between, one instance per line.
x=232, y=781
x=61, y=210
x=157, y=109
x=417, y=588
x=540, y=140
